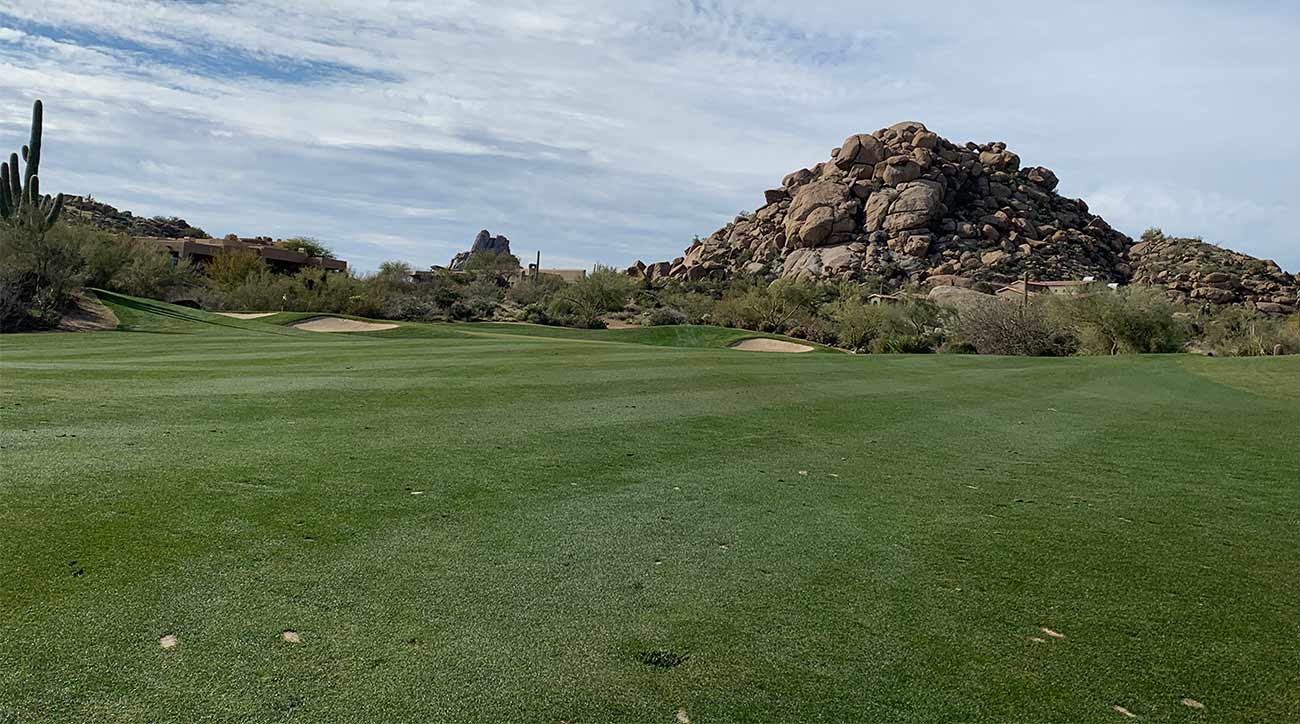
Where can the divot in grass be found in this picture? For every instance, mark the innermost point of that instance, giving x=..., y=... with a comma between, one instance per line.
x=680, y=716
x=662, y=659
x=1193, y=704
x=290, y=637
x=1053, y=634
x=1124, y=712
x=168, y=642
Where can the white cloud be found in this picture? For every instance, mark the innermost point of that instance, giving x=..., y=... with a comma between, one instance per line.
x=610, y=131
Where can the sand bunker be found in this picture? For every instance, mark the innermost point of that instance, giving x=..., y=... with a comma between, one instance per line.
x=246, y=315
x=769, y=345
x=334, y=324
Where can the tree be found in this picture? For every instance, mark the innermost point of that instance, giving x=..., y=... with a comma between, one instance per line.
x=306, y=245
x=487, y=262
x=230, y=269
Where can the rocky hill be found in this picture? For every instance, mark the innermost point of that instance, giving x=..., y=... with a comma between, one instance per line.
x=905, y=206
x=103, y=216
x=1194, y=271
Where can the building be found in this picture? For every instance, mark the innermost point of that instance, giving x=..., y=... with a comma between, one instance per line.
x=201, y=251
x=1016, y=289
x=568, y=275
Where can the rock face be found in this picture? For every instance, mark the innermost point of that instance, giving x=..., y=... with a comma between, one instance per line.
x=1193, y=271
x=106, y=217
x=903, y=204
x=485, y=242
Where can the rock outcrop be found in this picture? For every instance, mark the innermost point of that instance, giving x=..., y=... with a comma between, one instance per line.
x=485, y=242
x=903, y=205
x=1195, y=272
x=103, y=216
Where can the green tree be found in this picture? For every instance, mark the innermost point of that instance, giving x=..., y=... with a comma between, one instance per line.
x=231, y=269
x=306, y=245
x=489, y=263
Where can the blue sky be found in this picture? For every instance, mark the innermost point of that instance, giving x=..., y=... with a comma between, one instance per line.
x=612, y=131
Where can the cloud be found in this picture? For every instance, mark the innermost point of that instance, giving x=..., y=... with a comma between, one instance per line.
x=605, y=132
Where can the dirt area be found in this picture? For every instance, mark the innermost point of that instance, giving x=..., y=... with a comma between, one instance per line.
x=89, y=316
x=611, y=323
x=770, y=345
x=247, y=315
x=335, y=324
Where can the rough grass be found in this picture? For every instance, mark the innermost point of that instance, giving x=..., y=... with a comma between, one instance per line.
x=614, y=532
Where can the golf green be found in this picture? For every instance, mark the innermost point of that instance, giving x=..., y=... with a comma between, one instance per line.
x=508, y=523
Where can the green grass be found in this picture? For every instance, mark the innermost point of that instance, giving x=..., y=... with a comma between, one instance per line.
x=822, y=537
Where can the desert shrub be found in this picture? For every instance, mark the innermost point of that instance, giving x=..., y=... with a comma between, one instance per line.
x=1124, y=321
x=696, y=306
x=535, y=290
x=103, y=253
x=121, y=264
x=778, y=307
x=482, y=295
x=490, y=264
x=260, y=290
x=665, y=317
x=412, y=308
x=854, y=324
x=40, y=277
x=911, y=326
x=998, y=326
x=230, y=270
x=306, y=245
x=151, y=272
x=584, y=302
x=1238, y=332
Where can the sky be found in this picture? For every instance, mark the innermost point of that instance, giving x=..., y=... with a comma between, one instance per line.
x=605, y=132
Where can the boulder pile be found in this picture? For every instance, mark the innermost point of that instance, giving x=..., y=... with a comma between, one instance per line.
x=1193, y=271
x=485, y=242
x=903, y=205
x=103, y=216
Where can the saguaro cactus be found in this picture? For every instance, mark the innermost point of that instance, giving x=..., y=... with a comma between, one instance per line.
x=20, y=193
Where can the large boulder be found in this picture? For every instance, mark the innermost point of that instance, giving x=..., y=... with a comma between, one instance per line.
x=860, y=150
x=819, y=212
x=918, y=203
x=957, y=297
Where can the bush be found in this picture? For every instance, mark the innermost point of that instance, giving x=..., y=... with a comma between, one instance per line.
x=40, y=277
x=998, y=326
x=1237, y=332
x=306, y=245
x=584, y=302
x=1125, y=321
x=696, y=306
x=486, y=263
x=665, y=317
x=778, y=307
x=911, y=326
x=535, y=290
x=232, y=269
